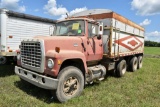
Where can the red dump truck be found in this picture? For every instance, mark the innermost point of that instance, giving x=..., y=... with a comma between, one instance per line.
x=84, y=47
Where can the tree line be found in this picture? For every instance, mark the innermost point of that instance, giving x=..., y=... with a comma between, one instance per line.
x=152, y=44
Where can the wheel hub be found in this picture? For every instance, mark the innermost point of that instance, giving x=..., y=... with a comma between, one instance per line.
x=70, y=86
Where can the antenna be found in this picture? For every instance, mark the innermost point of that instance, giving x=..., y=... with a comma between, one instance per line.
x=67, y=15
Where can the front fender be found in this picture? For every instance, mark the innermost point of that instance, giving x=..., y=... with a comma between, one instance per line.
x=65, y=55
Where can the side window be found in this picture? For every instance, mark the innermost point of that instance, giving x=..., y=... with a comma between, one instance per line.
x=89, y=30
x=92, y=30
x=63, y=30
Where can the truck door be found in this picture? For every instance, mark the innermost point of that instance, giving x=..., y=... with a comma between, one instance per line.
x=94, y=44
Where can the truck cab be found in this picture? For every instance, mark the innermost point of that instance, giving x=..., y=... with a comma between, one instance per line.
x=87, y=31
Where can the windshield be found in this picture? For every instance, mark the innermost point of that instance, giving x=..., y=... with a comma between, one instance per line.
x=70, y=28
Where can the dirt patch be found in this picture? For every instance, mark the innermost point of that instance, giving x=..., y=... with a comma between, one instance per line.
x=151, y=56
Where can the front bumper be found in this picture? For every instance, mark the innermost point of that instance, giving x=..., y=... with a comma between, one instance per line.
x=36, y=79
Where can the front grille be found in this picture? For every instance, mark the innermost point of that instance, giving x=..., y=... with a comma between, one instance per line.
x=31, y=54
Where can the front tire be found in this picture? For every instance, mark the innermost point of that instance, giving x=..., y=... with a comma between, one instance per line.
x=71, y=83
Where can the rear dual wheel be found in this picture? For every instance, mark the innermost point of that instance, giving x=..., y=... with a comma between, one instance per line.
x=140, y=61
x=121, y=68
x=133, y=64
x=136, y=63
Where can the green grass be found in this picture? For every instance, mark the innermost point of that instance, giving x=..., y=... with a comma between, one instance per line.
x=141, y=88
x=138, y=89
x=152, y=50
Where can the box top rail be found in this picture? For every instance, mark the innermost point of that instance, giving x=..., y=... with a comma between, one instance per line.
x=106, y=13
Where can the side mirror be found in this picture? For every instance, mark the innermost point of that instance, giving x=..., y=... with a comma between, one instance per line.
x=99, y=37
x=100, y=29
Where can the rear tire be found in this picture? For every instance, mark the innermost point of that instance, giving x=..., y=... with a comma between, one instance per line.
x=133, y=64
x=140, y=62
x=71, y=83
x=121, y=68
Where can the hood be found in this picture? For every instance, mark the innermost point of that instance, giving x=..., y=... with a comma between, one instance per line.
x=63, y=42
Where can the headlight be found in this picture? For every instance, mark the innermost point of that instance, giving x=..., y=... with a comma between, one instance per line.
x=50, y=63
x=18, y=56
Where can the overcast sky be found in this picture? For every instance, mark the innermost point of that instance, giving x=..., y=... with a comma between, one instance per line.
x=143, y=12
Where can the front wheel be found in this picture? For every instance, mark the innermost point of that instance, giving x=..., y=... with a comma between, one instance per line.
x=71, y=83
